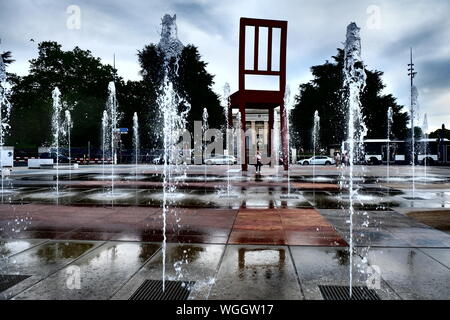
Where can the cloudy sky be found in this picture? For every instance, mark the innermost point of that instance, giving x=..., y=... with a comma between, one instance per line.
x=316, y=29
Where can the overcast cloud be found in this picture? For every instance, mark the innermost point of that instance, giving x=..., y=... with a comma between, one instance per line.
x=316, y=29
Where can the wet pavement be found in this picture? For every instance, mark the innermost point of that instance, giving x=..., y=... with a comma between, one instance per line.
x=261, y=242
x=102, y=273
x=114, y=270
x=257, y=273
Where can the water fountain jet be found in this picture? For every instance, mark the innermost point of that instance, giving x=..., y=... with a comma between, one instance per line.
x=205, y=128
x=5, y=111
x=113, y=117
x=56, y=95
x=104, y=140
x=316, y=141
x=413, y=115
x=226, y=96
x=390, y=121
x=287, y=111
x=355, y=81
x=136, y=142
x=425, y=144
x=68, y=128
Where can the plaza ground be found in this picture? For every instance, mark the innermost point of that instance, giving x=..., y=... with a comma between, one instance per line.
x=277, y=236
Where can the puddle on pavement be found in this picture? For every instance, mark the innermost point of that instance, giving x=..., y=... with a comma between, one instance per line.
x=53, y=252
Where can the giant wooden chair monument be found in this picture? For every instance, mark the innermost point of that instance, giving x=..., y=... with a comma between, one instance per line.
x=262, y=99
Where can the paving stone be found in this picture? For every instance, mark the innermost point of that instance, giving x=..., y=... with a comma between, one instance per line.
x=256, y=273
x=97, y=275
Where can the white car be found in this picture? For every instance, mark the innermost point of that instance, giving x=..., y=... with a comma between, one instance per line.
x=318, y=160
x=221, y=160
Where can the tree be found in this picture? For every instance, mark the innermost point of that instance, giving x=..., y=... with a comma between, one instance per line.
x=138, y=96
x=191, y=82
x=325, y=94
x=195, y=85
x=82, y=80
x=440, y=132
x=418, y=133
x=7, y=57
x=151, y=61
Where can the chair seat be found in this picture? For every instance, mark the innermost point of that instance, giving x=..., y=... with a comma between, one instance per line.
x=256, y=99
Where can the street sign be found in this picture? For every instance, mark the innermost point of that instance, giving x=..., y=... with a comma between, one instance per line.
x=122, y=130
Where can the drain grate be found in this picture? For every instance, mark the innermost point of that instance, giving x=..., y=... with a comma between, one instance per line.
x=10, y=280
x=411, y=198
x=152, y=290
x=343, y=293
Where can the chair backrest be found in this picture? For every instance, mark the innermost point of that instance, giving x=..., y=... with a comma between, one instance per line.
x=270, y=35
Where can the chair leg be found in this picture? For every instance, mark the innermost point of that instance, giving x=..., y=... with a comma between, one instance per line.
x=284, y=137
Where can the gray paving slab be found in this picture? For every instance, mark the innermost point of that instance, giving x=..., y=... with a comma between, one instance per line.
x=331, y=266
x=95, y=276
x=15, y=246
x=386, y=229
x=411, y=273
x=369, y=228
x=441, y=255
x=422, y=237
x=191, y=262
x=41, y=261
x=256, y=273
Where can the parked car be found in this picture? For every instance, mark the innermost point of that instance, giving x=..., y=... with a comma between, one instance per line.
x=221, y=160
x=318, y=160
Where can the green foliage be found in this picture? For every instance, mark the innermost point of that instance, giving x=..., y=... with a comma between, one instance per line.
x=325, y=93
x=151, y=60
x=7, y=57
x=139, y=97
x=418, y=133
x=195, y=86
x=82, y=80
x=440, y=132
x=191, y=81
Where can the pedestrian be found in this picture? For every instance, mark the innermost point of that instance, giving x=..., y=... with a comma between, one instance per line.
x=345, y=162
x=337, y=159
x=258, y=162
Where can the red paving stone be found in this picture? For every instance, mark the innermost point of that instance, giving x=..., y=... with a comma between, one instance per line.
x=118, y=223
x=186, y=225
x=316, y=186
x=284, y=227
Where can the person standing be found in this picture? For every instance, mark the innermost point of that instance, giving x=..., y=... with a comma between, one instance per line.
x=346, y=160
x=337, y=159
x=258, y=162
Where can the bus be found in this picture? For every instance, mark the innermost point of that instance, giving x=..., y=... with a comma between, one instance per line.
x=427, y=151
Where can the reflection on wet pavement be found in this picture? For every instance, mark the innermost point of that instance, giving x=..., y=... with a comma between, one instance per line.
x=329, y=266
x=11, y=247
x=101, y=273
x=411, y=273
x=42, y=260
x=256, y=273
x=194, y=262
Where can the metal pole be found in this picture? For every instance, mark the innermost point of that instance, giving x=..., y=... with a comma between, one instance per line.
x=412, y=74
